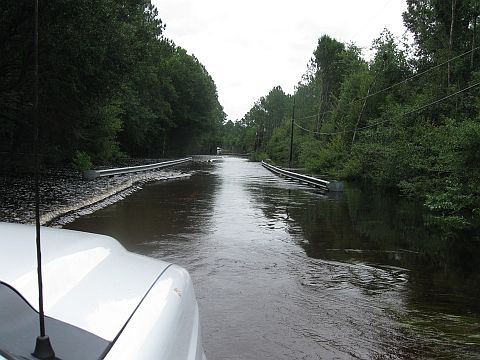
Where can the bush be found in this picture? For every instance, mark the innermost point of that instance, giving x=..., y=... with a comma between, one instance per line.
x=258, y=156
x=321, y=157
x=81, y=161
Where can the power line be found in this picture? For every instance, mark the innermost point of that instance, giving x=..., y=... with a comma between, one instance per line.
x=397, y=83
x=310, y=116
x=387, y=120
x=423, y=72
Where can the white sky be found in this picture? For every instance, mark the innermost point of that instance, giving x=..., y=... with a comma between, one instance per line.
x=250, y=46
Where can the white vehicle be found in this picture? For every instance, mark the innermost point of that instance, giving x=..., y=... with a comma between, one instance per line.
x=100, y=301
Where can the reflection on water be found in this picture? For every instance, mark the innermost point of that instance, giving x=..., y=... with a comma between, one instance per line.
x=285, y=272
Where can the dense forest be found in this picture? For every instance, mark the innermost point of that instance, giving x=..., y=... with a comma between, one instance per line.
x=110, y=85
x=409, y=118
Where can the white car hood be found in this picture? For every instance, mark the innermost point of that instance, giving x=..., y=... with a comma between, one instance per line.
x=84, y=276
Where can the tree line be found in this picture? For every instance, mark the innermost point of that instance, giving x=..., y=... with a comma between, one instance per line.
x=111, y=85
x=407, y=119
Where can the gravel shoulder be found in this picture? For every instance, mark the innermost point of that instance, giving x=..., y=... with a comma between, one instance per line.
x=64, y=195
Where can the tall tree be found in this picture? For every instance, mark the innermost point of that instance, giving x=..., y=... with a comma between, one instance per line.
x=110, y=83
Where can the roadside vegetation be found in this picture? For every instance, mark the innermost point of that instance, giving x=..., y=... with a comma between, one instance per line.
x=110, y=85
x=408, y=118
x=113, y=86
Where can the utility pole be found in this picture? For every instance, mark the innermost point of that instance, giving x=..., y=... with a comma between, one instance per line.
x=291, y=133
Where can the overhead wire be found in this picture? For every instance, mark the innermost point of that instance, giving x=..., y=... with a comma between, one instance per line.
x=397, y=83
x=423, y=72
x=390, y=119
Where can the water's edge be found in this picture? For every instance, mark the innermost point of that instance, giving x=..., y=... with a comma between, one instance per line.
x=64, y=198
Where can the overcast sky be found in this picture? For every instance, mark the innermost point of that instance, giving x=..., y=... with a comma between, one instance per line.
x=250, y=46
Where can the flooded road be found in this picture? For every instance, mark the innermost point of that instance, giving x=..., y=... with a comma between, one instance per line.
x=282, y=271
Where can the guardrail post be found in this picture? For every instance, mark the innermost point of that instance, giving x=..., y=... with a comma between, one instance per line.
x=90, y=174
x=335, y=186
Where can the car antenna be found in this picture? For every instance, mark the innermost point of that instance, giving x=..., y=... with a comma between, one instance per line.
x=43, y=347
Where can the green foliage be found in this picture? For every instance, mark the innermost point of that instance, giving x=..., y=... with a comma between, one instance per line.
x=351, y=169
x=81, y=160
x=258, y=156
x=351, y=114
x=266, y=115
x=278, y=146
x=99, y=137
x=318, y=158
x=110, y=83
x=450, y=201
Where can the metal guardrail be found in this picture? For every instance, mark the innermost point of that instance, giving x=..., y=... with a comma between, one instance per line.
x=206, y=158
x=227, y=153
x=93, y=174
x=310, y=180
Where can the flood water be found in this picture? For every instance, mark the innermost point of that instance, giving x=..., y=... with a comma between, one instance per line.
x=282, y=271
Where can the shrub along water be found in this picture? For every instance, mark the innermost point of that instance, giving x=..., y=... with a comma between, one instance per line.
x=408, y=118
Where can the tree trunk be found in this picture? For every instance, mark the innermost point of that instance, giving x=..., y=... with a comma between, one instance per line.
x=472, y=55
x=366, y=98
x=450, y=43
x=320, y=109
x=361, y=112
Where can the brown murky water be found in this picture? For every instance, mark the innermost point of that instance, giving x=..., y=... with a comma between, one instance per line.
x=284, y=272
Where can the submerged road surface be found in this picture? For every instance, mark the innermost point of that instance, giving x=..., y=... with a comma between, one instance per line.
x=282, y=271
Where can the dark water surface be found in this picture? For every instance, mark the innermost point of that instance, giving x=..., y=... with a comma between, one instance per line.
x=284, y=272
